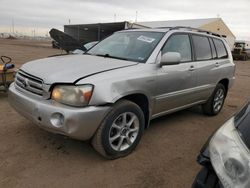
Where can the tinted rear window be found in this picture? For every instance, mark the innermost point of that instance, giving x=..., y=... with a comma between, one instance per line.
x=220, y=48
x=202, y=48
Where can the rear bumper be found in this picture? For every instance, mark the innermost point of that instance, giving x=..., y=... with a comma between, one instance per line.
x=78, y=123
x=231, y=82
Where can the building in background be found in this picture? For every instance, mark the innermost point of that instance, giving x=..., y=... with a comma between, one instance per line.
x=215, y=25
x=95, y=32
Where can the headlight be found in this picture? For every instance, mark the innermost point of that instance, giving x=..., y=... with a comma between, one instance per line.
x=230, y=157
x=72, y=95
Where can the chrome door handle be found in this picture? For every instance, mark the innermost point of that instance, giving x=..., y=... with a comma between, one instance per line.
x=191, y=68
x=217, y=64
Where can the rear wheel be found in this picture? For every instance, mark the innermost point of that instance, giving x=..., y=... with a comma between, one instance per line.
x=120, y=131
x=215, y=103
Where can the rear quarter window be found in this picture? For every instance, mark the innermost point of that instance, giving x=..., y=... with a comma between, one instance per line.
x=220, y=48
x=213, y=48
x=202, y=48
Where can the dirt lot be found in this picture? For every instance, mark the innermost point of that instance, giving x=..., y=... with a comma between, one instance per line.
x=165, y=157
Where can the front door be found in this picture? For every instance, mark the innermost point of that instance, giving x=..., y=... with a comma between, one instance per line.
x=176, y=83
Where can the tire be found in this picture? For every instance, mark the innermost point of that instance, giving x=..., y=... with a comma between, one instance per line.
x=218, y=97
x=120, y=131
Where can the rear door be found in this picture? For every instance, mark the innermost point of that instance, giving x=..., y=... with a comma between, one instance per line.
x=208, y=67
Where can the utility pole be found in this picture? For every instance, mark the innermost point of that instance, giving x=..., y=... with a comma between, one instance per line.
x=33, y=32
x=115, y=17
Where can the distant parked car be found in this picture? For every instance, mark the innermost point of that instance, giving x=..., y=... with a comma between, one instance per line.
x=90, y=44
x=226, y=155
x=241, y=50
x=87, y=46
x=55, y=44
x=65, y=41
x=110, y=93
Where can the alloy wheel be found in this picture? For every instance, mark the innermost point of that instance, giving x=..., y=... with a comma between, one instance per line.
x=218, y=100
x=124, y=131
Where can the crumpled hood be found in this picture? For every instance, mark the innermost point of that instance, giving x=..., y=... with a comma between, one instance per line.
x=69, y=68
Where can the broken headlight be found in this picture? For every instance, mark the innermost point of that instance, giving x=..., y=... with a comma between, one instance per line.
x=230, y=157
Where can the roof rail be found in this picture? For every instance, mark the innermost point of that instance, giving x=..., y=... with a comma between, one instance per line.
x=194, y=29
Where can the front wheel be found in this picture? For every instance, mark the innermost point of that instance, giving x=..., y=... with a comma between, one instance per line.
x=120, y=131
x=215, y=103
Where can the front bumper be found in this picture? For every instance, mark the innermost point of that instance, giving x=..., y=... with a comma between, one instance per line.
x=78, y=123
x=207, y=178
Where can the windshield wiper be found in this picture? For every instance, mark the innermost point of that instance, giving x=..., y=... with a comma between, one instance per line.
x=110, y=56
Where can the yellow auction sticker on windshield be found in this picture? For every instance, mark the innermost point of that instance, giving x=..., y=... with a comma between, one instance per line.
x=145, y=39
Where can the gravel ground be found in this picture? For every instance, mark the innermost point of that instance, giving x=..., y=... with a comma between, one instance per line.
x=165, y=157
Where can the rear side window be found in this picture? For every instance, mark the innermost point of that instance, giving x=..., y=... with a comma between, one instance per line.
x=213, y=48
x=202, y=48
x=179, y=43
x=220, y=48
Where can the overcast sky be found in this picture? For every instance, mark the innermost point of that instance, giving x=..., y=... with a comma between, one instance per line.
x=42, y=15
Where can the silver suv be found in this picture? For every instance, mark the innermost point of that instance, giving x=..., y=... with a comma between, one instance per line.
x=110, y=93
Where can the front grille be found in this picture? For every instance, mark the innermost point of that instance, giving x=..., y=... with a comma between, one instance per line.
x=29, y=82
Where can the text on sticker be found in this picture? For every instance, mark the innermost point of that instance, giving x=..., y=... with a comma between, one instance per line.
x=145, y=39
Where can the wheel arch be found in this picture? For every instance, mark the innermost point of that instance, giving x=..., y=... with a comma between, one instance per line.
x=143, y=102
x=225, y=83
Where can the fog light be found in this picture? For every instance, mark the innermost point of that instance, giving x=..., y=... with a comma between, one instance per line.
x=57, y=119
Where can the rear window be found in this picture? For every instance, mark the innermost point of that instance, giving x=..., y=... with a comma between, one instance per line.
x=220, y=48
x=202, y=48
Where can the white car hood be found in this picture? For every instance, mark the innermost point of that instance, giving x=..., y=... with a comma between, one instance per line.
x=71, y=68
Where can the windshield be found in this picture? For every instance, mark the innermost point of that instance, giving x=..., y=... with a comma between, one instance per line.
x=134, y=46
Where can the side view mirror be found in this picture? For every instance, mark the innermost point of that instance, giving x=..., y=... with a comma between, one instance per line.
x=170, y=58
